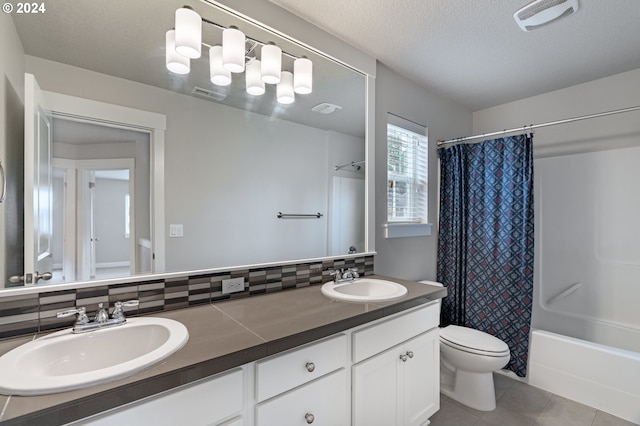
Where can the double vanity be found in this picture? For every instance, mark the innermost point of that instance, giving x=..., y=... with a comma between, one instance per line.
x=297, y=356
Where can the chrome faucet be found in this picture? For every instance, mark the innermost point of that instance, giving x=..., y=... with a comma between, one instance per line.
x=101, y=320
x=344, y=275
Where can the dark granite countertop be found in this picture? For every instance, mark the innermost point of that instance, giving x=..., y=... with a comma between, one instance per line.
x=222, y=336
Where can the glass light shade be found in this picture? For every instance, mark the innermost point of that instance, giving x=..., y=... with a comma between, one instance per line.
x=284, y=90
x=271, y=57
x=302, y=76
x=175, y=62
x=188, y=33
x=233, y=49
x=219, y=75
x=255, y=85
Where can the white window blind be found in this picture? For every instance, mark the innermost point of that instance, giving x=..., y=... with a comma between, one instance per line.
x=406, y=171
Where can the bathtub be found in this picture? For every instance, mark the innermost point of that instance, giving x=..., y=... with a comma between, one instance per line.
x=600, y=376
x=585, y=343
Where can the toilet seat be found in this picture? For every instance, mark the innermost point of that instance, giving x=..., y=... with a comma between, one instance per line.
x=473, y=341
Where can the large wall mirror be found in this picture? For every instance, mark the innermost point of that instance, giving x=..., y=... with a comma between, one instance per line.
x=242, y=179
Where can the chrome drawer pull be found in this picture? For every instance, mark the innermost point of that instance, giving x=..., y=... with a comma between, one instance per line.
x=309, y=418
x=310, y=368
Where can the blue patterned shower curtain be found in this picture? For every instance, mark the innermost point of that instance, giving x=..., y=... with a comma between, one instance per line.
x=485, y=243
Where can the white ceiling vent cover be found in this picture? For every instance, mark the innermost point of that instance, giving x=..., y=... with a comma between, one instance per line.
x=206, y=93
x=543, y=12
x=326, y=108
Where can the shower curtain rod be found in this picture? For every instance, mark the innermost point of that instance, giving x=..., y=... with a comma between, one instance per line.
x=536, y=126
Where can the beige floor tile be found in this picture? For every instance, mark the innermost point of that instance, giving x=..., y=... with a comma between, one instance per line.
x=606, y=419
x=564, y=412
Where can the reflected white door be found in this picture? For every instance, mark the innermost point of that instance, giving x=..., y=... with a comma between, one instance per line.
x=346, y=228
x=38, y=220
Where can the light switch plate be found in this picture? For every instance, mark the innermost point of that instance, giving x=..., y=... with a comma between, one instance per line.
x=175, y=231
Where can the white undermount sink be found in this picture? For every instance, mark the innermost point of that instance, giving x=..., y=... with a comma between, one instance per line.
x=364, y=290
x=65, y=361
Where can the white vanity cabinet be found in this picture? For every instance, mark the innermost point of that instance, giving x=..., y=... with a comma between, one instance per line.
x=379, y=374
x=399, y=385
x=218, y=400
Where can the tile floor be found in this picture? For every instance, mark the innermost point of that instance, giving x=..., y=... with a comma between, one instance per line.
x=519, y=404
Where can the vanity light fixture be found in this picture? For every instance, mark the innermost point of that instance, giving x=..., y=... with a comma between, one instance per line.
x=253, y=78
x=188, y=33
x=302, y=75
x=233, y=49
x=219, y=74
x=185, y=43
x=284, y=89
x=271, y=56
x=175, y=62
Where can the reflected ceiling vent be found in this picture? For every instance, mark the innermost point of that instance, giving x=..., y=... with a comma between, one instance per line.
x=326, y=108
x=542, y=12
x=210, y=94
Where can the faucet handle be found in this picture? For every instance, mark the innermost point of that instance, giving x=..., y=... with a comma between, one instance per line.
x=118, y=312
x=354, y=271
x=336, y=274
x=82, y=314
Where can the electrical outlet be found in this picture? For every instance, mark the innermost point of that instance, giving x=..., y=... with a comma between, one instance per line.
x=232, y=285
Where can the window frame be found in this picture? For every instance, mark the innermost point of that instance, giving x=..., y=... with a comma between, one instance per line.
x=417, y=224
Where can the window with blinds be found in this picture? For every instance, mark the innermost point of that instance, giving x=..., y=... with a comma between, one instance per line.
x=406, y=171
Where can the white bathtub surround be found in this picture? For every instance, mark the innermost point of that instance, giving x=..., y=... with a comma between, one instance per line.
x=600, y=376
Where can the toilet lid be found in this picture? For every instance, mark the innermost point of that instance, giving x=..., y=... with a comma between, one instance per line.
x=474, y=340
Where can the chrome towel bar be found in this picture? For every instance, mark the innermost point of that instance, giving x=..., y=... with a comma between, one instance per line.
x=296, y=215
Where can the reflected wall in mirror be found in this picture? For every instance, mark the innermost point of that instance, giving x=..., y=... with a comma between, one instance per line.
x=230, y=161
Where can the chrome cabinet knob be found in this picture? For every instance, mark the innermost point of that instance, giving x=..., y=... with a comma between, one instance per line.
x=310, y=367
x=309, y=418
x=403, y=357
x=410, y=354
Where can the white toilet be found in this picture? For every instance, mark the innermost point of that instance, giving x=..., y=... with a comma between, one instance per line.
x=468, y=359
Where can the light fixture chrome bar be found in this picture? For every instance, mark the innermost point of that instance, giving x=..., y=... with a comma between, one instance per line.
x=529, y=127
x=251, y=39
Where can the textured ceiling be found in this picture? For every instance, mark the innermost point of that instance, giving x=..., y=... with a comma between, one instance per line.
x=474, y=52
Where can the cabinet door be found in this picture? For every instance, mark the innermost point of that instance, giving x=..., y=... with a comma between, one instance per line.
x=421, y=378
x=375, y=386
x=322, y=402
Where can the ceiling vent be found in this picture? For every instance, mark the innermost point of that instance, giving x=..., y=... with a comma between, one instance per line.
x=542, y=12
x=326, y=108
x=206, y=93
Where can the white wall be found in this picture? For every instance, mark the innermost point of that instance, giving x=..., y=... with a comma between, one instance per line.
x=217, y=159
x=414, y=257
x=606, y=94
x=11, y=147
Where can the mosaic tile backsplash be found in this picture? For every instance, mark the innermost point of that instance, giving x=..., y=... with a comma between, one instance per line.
x=33, y=313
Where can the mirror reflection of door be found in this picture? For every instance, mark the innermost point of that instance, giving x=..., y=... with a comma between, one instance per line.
x=38, y=261
x=100, y=229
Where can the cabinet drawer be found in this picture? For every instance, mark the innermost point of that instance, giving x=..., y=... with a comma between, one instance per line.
x=296, y=367
x=324, y=399
x=381, y=336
